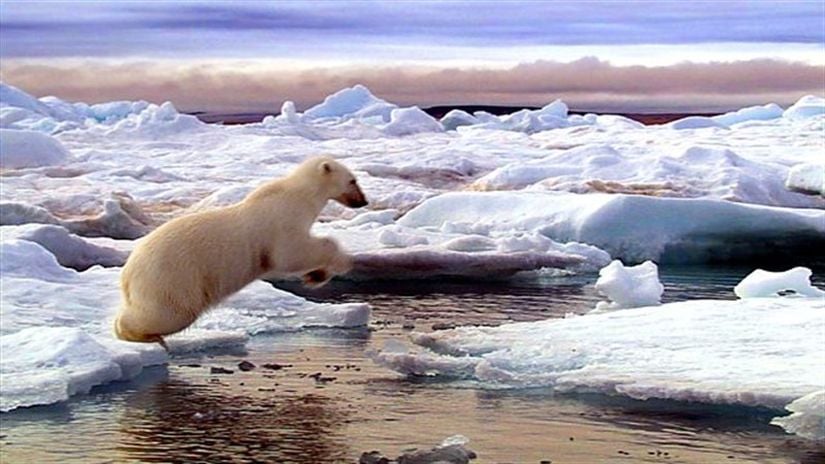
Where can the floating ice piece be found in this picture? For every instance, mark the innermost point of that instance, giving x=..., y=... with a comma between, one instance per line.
x=765, y=284
x=807, y=178
x=754, y=352
x=43, y=365
x=29, y=149
x=808, y=416
x=806, y=107
x=634, y=228
x=751, y=113
x=629, y=286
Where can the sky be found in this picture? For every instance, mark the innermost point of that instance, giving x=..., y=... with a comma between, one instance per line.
x=251, y=56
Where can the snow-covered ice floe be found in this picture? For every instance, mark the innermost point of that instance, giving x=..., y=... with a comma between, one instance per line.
x=633, y=228
x=764, y=352
x=55, y=336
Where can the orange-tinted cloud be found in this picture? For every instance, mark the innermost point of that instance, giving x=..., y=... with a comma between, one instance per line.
x=588, y=84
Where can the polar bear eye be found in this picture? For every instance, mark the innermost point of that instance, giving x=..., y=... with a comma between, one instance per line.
x=352, y=182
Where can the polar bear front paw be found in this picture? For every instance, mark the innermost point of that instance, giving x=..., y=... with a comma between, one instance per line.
x=316, y=278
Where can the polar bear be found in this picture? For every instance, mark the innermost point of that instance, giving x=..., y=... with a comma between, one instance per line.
x=192, y=262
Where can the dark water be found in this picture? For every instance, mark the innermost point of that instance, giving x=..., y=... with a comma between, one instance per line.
x=185, y=413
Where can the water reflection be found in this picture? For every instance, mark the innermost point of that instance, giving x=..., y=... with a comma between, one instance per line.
x=189, y=422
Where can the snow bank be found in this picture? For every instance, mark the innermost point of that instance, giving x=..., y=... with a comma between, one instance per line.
x=29, y=149
x=807, y=178
x=629, y=286
x=806, y=107
x=764, y=284
x=807, y=418
x=635, y=228
x=754, y=352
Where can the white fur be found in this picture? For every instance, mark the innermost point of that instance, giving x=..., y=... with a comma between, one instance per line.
x=193, y=262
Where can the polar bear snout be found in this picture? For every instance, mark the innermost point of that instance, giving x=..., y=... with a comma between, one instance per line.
x=353, y=197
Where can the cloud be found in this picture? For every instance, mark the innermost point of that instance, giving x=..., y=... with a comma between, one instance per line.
x=589, y=84
x=323, y=29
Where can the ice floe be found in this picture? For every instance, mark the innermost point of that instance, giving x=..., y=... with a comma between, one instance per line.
x=633, y=228
x=765, y=284
x=755, y=352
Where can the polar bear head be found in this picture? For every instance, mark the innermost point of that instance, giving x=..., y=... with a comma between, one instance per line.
x=340, y=184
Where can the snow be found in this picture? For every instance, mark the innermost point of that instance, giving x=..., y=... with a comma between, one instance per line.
x=29, y=149
x=406, y=121
x=629, y=286
x=633, y=228
x=807, y=178
x=751, y=113
x=807, y=418
x=457, y=118
x=696, y=122
x=806, y=107
x=353, y=103
x=765, y=284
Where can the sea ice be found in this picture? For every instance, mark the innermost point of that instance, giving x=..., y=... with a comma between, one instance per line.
x=629, y=286
x=807, y=417
x=806, y=107
x=763, y=284
x=632, y=228
x=29, y=149
x=807, y=178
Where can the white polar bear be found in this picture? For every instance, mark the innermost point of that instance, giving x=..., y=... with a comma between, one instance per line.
x=193, y=262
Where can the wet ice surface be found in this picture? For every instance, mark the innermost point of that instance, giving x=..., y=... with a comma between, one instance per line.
x=292, y=415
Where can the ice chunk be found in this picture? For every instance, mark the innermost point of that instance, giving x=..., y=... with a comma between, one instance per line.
x=407, y=121
x=396, y=237
x=763, y=284
x=696, y=122
x=42, y=365
x=629, y=286
x=69, y=249
x=806, y=107
x=808, y=416
x=16, y=213
x=753, y=352
x=807, y=178
x=29, y=149
x=355, y=102
x=751, y=113
x=457, y=118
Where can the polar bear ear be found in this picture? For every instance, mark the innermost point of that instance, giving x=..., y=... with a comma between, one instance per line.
x=325, y=167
